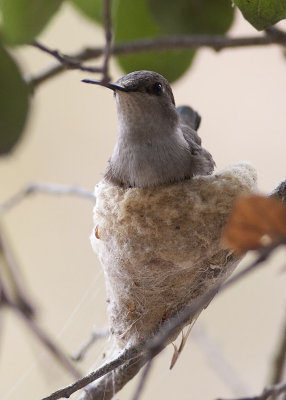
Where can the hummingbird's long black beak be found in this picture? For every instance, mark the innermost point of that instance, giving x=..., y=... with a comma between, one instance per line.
x=108, y=85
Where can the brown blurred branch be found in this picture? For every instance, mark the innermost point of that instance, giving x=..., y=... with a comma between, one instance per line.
x=50, y=188
x=216, y=42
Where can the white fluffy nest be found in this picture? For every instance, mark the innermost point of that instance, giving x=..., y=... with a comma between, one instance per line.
x=161, y=247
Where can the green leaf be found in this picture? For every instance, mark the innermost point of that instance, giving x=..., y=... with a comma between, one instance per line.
x=93, y=9
x=133, y=21
x=193, y=16
x=262, y=13
x=14, y=102
x=23, y=20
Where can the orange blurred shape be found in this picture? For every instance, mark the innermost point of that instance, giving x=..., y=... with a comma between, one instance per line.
x=254, y=222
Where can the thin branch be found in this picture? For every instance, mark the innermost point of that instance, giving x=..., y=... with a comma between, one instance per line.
x=74, y=62
x=66, y=61
x=215, y=42
x=94, y=337
x=114, y=381
x=125, y=355
x=54, y=189
x=108, y=40
x=274, y=390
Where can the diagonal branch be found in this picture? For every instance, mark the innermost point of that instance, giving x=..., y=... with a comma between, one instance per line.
x=215, y=42
x=67, y=62
x=125, y=356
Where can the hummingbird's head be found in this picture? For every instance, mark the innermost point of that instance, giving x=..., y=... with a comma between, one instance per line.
x=148, y=102
x=144, y=101
x=147, y=83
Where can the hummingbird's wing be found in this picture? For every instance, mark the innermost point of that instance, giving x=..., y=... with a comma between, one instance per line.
x=202, y=161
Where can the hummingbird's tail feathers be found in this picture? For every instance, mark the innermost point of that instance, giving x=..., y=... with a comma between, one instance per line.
x=189, y=117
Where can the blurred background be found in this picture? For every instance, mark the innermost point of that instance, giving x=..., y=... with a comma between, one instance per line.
x=69, y=138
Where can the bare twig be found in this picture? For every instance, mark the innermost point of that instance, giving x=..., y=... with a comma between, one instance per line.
x=50, y=188
x=113, y=381
x=126, y=355
x=66, y=61
x=267, y=392
x=75, y=62
x=215, y=42
x=94, y=337
x=108, y=40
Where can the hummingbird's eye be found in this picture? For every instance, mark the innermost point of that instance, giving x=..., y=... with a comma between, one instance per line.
x=157, y=88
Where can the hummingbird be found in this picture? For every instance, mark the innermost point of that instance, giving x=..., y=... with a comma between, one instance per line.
x=157, y=143
x=158, y=218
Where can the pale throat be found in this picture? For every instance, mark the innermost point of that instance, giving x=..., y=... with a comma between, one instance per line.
x=144, y=127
